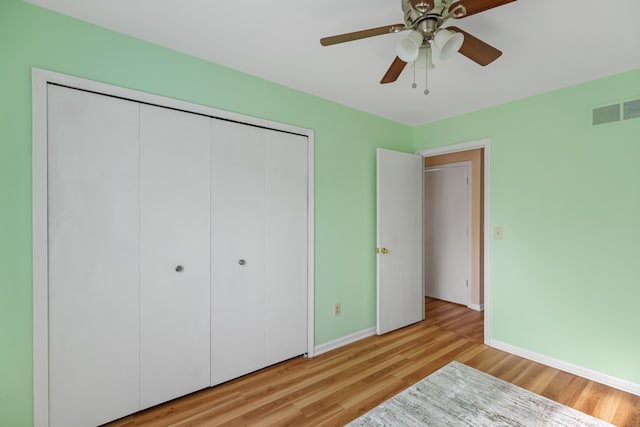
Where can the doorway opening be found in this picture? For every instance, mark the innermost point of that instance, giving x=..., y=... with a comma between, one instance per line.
x=447, y=234
x=476, y=153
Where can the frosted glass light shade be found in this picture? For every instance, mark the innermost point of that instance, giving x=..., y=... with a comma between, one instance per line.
x=424, y=59
x=429, y=61
x=449, y=42
x=408, y=47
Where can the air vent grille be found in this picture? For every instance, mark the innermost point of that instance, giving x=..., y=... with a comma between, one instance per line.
x=632, y=109
x=608, y=114
x=616, y=112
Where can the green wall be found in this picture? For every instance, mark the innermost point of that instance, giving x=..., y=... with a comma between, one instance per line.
x=565, y=281
x=344, y=161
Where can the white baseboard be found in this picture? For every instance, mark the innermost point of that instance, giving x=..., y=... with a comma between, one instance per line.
x=589, y=374
x=476, y=307
x=342, y=341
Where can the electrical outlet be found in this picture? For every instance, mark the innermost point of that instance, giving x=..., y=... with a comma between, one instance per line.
x=337, y=309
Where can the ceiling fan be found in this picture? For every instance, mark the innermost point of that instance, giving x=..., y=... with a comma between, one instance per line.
x=425, y=20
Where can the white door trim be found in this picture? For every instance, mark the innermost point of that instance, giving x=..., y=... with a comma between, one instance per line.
x=469, y=166
x=466, y=146
x=39, y=80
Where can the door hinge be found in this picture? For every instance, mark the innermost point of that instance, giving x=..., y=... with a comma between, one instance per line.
x=467, y=180
x=467, y=283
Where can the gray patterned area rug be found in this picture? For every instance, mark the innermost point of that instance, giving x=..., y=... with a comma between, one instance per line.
x=457, y=395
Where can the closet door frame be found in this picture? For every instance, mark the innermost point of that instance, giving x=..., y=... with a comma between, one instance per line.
x=40, y=79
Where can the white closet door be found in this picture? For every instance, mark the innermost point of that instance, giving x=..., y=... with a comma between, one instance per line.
x=174, y=254
x=447, y=240
x=93, y=257
x=286, y=246
x=237, y=250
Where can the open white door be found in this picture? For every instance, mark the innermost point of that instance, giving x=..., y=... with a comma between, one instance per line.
x=399, y=240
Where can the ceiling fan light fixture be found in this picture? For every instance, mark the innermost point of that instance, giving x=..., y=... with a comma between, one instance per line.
x=424, y=59
x=449, y=42
x=408, y=48
x=429, y=59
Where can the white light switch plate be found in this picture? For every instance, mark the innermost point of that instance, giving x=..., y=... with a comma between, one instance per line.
x=497, y=233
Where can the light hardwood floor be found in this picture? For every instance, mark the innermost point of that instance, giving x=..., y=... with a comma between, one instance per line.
x=336, y=387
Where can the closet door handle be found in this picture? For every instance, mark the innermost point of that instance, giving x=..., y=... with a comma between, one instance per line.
x=242, y=262
x=179, y=268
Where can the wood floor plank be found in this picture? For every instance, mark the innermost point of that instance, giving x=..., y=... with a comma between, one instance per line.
x=559, y=388
x=337, y=387
x=628, y=412
x=542, y=379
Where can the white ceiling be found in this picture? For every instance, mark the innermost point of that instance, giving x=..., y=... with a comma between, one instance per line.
x=547, y=44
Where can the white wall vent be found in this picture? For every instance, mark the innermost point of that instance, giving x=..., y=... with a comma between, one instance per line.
x=632, y=109
x=616, y=112
x=608, y=114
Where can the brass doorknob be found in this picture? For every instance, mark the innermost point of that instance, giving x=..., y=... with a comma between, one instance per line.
x=384, y=251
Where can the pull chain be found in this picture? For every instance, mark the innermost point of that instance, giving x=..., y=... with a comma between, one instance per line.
x=414, y=85
x=426, y=81
x=427, y=60
x=426, y=72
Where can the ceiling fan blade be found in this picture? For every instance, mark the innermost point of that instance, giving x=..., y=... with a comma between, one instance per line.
x=475, y=49
x=477, y=6
x=394, y=71
x=357, y=35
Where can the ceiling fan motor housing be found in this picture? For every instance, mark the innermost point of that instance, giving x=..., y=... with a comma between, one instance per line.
x=418, y=16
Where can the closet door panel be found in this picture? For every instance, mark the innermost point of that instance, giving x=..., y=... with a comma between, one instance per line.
x=174, y=253
x=237, y=250
x=93, y=257
x=286, y=246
